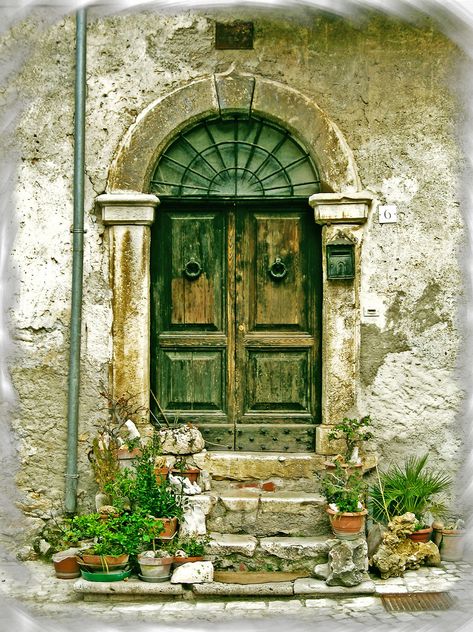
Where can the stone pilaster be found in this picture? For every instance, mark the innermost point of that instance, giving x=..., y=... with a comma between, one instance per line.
x=129, y=217
x=340, y=214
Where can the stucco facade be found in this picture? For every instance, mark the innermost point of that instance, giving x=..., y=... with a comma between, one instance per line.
x=381, y=121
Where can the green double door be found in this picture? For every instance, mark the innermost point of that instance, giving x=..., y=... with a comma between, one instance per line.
x=236, y=298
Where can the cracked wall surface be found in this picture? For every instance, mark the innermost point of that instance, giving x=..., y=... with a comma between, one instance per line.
x=389, y=87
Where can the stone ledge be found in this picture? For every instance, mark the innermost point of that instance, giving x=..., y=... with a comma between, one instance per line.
x=218, y=588
x=127, y=588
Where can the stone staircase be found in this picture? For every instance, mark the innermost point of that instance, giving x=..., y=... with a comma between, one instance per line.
x=264, y=514
x=266, y=511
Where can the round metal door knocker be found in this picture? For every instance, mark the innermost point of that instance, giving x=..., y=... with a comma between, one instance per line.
x=278, y=269
x=192, y=269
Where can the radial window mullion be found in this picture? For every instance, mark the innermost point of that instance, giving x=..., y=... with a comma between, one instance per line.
x=232, y=158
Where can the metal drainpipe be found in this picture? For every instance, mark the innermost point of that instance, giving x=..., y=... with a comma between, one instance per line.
x=77, y=264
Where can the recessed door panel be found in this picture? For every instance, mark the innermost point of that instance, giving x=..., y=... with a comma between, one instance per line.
x=278, y=380
x=192, y=380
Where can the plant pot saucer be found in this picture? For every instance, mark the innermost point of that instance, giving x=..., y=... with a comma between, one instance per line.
x=111, y=576
x=154, y=580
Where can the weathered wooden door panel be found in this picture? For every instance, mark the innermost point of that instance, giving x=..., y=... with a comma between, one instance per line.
x=236, y=293
x=190, y=320
x=277, y=340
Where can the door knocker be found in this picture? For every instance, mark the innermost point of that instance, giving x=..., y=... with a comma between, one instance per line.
x=192, y=269
x=278, y=269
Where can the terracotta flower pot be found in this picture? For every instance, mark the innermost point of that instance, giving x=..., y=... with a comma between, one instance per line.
x=191, y=473
x=161, y=474
x=126, y=456
x=347, y=525
x=155, y=568
x=66, y=565
x=101, y=562
x=422, y=535
x=452, y=545
x=169, y=528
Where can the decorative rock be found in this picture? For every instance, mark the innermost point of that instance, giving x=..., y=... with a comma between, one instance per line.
x=184, y=439
x=392, y=561
x=101, y=500
x=398, y=553
x=184, y=485
x=374, y=539
x=193, y=573
x=193, y=522
x=44, y=547
x=27, y=553
x=347, y=562
x=321, y=571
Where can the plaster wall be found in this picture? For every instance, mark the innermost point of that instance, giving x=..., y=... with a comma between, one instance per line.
x=389, y=87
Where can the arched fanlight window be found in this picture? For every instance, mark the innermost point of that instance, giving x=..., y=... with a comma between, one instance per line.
x=235, y=157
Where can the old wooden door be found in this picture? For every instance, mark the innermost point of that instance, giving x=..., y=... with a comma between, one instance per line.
x=236, y=297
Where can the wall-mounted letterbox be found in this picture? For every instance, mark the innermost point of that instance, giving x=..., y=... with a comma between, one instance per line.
x=340, y=259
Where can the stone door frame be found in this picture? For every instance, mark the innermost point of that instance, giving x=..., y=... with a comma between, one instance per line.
x=128, y=210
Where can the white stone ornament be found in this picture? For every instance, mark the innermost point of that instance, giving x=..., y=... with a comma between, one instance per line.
x=184, y=485
x=193, y=522
x=193, y=573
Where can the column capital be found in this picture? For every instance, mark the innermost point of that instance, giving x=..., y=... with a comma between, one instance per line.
x=127, y=208
x=346, y=208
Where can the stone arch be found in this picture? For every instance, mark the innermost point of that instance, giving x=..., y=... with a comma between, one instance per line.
x=158, y=124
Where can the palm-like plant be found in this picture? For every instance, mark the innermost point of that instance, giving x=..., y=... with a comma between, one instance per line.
x=408, y=488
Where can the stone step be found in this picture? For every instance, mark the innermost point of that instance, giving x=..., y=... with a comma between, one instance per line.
x=291, y=470
x=248, y=553
x=260, y=513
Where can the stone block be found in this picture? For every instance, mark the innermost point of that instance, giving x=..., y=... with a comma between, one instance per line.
x=224, y=544
x=244, y=590
x=292, y=548
x=311, y=586
x=193, y=573
x=130, y=587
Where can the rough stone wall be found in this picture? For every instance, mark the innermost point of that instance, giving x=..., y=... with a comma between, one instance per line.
x=386, y=84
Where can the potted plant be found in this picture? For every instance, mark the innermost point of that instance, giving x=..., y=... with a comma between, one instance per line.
x=138, y=489
x=117, y=441
x=113, y=541
x=410, y=487
x=190, y=549
x=181, y=468
x=155, y=565
x=450, y=538
x=354, y=432
x=344, y=490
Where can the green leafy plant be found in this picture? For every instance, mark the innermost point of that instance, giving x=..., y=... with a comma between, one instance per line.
x=103, y=454
x=410, y=487
x=137, y=487
x=344, y=488
x=193, y=546
x=125, y=532
x=354, y=432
